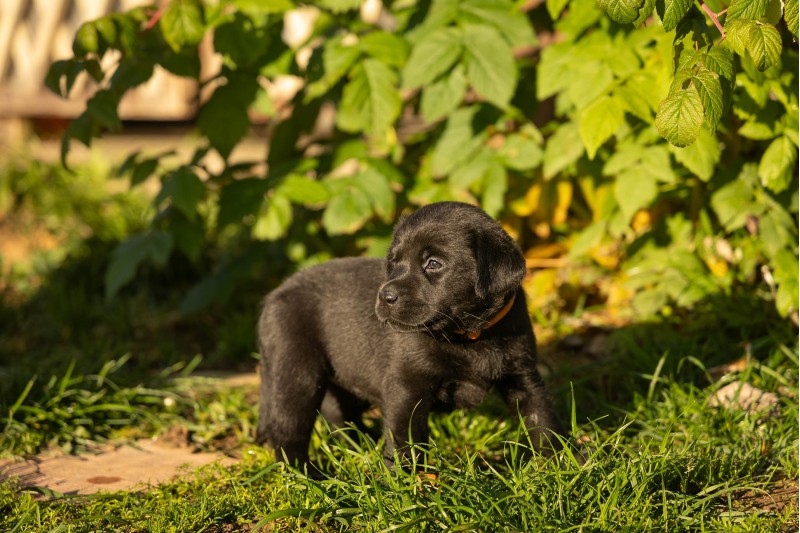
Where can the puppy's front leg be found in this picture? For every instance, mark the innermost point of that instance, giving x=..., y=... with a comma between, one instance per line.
x=527, y=396
x=405, y=418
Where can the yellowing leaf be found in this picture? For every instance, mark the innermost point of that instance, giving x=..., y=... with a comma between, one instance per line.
x=642, y=221
x=528, y=204
x=564, y=195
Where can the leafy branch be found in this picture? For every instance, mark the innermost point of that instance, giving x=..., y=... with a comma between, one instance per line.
x=441, y=100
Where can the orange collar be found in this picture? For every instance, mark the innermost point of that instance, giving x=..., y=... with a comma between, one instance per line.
x=473, y=335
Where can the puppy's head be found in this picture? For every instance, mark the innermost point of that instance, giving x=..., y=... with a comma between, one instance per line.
x=449, y=267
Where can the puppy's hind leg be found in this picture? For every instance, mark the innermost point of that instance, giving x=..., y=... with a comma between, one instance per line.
x=340, y=408
x=293, y=382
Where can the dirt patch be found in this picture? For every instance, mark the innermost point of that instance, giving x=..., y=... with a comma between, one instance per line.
x=128, y=467
x=776, y=497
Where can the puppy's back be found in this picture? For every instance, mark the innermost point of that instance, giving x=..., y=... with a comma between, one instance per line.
x=326, y=300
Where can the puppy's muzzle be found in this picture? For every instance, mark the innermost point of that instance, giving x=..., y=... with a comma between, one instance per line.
x=388, y=295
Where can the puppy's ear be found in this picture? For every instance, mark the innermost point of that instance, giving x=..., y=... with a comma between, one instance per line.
x=501, y=266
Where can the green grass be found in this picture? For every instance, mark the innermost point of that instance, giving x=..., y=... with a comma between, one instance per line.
x=666, y=462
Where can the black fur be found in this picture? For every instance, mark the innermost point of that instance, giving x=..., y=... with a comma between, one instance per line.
x=349, y=333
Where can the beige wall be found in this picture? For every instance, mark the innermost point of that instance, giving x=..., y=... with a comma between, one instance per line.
x=34, y=33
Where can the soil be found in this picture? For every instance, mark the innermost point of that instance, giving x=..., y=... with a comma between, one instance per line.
x=132, y=466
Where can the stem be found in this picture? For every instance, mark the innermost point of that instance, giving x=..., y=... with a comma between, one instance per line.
x=157, y=15
x=713, y=16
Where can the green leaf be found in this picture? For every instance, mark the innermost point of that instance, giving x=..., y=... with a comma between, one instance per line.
x=304, y=191
x=102, y=108
x=752, y=129
x=143, y=170
x=188, y=235
x=433, y=55
x=219, y=285
x=263, y=7
x=379, y=191
x=274, y=220
x=587, y=239
x=778, y=165
x=495, y=185
x=440, y=98
x=86, y=40
x=556, y=7
x=672, y=13
x=107, y=30
x=182, y=23
x=733, y=203
x=239, y=199
x=701, y=157
x=503, y=15
x=720, y=60
x=336, y=59
x=370, y=101
x=746, y=9
x=710, y=91
x=760, y=41
x=130, y=73
x=637, y=96
x=224, y=119
x=621, y=11
x=457, y=143
x=562, y=149
x=599, y=122
x=347, y=212
x=241, y=41
x=777, y=231
x=470, y=171
x=387, y=47
x=69, y=69
x=790, y=15
x=645, y=12
x=634, y=189
x=339, y=6
x=785, y=275
x=555, y=67
x=680, y=117
x=185, y=190
x=520, y=152
x=490, y=64
x=154, y=246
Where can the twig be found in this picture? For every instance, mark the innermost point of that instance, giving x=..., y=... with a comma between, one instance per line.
x=714, y=17
x=156, y=16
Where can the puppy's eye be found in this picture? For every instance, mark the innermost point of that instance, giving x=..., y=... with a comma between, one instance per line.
x=433, y=264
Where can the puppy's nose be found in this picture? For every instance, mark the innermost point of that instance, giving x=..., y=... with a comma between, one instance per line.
x=389, y=296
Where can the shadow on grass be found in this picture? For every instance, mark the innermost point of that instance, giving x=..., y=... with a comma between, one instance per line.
x=604, y=370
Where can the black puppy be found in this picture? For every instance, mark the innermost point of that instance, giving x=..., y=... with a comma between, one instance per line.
x=434, y=326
